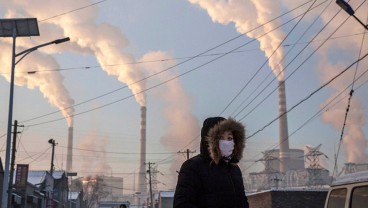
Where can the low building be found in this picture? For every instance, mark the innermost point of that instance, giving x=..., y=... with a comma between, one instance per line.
x=165, y=199
x=54, y=188
x=288, y=198
x=76, y=199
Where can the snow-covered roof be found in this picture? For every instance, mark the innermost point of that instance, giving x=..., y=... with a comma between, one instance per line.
x=167, y=194
x=292, y=189
x=38, y=176
x=351, y=178
x=73, y=195
x=302, y=189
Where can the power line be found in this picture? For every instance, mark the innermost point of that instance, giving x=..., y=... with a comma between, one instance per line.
x=297, y=55
x=147, y=89
x=309, y=96
x=140, y=80
x=302, y=63
x=289, y=51
x=177, y=58
x=71, y=11
x=120, y=153
x=269, y=57
x=348, y=106
x=189, y=59
x=252, y=41
x=318, y=113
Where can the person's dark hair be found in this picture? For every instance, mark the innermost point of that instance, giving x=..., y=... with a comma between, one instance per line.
x=207, y=125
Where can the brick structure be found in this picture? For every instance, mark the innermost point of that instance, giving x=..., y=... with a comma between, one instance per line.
x=288, y=199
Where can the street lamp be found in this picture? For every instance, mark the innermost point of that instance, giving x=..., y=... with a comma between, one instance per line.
x=17, y=27
x=347, y=8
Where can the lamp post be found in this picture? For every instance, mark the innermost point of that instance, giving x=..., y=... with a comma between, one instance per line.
x=17, y=27
x=347, y=8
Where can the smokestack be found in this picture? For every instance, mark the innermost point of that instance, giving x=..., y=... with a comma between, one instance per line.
x=142, y=170
x=284, y=153
x=69, y=157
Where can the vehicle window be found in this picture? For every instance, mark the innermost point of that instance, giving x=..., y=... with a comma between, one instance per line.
x=337, y=198
x=359, y=197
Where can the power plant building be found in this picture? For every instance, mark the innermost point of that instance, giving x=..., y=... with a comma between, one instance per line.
x=296, y=175
x=285, y=167
x=296, y=159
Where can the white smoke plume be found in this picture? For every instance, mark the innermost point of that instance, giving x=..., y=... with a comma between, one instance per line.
x=49, y=83
x=94, y=161
x=247, y=15
x=87, y=36
x=182, y=124
x=354, y=140
x=250, y=14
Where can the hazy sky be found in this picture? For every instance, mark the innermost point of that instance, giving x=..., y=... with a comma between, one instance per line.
x=185, y=61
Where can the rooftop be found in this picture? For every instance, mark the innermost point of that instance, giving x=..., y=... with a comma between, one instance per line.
x=351, y=178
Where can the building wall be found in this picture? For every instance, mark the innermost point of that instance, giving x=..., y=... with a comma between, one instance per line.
x=114, y=186
x=260, y=200
x=292, y=178
x=296, y=159
x=166, y=202
x=288, y=199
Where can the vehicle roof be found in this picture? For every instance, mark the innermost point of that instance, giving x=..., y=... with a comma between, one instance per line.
x=351, y=178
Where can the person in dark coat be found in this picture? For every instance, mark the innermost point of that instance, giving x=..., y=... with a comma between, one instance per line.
x=213, y=179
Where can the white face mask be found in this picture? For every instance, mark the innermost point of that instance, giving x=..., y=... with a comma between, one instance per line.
x=226, y=147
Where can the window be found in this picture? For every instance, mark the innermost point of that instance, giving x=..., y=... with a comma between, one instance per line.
x=337, y=198
x=359, y=197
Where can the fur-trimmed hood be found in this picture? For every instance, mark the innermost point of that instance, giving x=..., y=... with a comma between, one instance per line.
x=214, y=135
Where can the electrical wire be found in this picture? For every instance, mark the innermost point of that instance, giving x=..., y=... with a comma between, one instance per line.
x=289, y=64
x=171, y=67
x=147, y=89
x=232, y=51
x=120, y=153
x=348, y=106
x=287, y=53
x=71, y=11
x=269, y=57
x=41, y=154
x=309, y=96
x=326, y=107
x=260, y=67
x=302, y=63
x=174, y=59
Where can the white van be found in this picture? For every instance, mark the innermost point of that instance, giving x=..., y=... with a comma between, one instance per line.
x=349, y=191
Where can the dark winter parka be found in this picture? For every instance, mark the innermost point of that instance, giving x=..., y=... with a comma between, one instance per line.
x=206, y=180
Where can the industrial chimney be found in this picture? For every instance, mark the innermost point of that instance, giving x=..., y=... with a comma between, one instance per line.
x=142, y=169
x=69, y=157
x=284, y=152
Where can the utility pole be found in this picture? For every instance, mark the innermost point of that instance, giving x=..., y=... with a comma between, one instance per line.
x=52, y=142
x=187, y=151
x=11, y=174
x=150, y=183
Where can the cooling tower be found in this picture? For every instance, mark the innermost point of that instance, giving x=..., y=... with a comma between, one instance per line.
x=284, y=153
x=142, y=170
x=69, y=157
